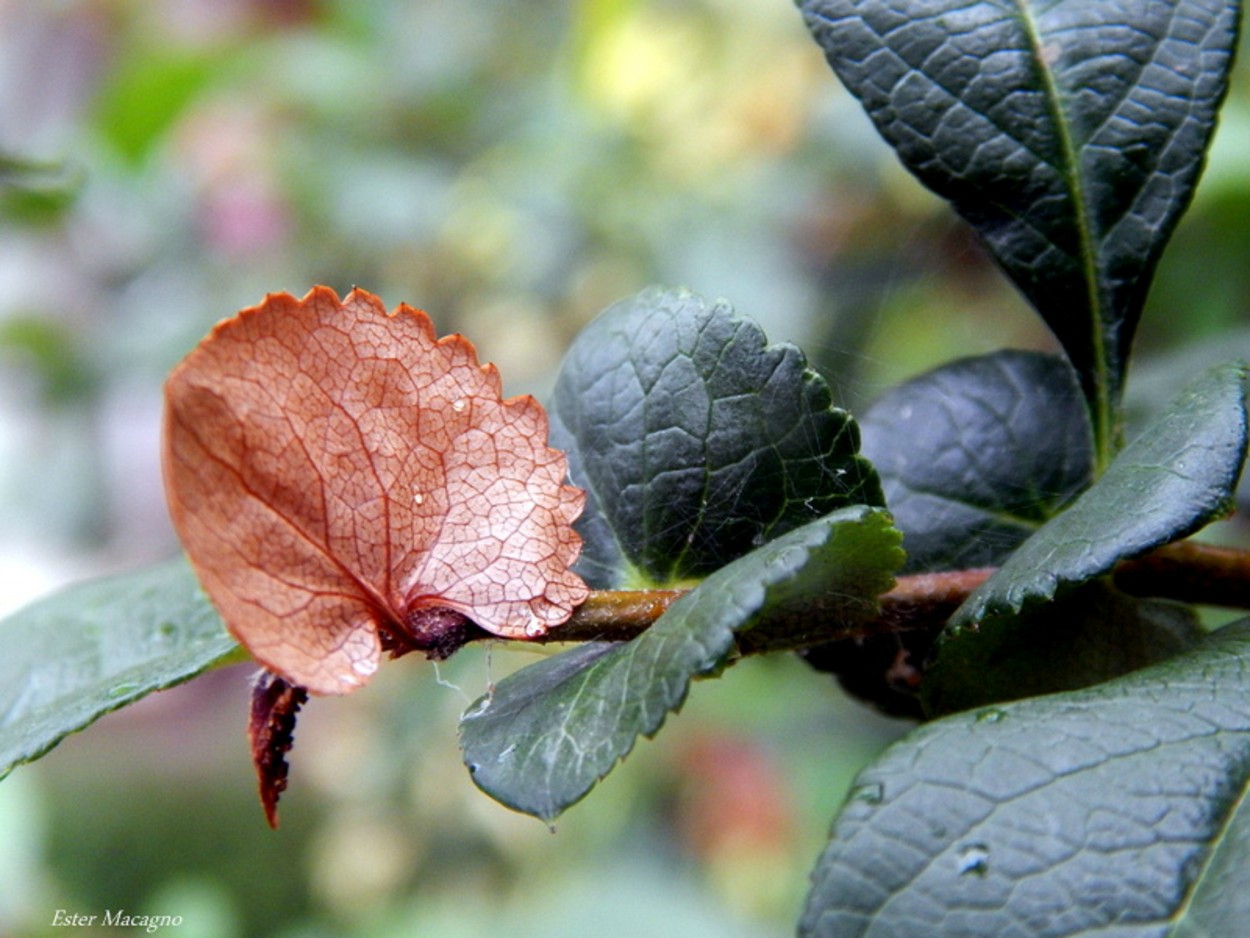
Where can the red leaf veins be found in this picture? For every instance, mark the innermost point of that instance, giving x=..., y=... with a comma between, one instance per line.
x=345, y=483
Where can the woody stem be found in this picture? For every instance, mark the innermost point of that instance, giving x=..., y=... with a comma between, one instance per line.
x=1185, y=571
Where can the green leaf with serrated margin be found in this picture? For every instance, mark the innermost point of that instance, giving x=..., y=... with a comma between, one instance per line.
x=1178, y=476
x=696, y=440
x=1069, y=134
x=546, y=734
x=1117, y=810
x=96, y=646
x=975, y=455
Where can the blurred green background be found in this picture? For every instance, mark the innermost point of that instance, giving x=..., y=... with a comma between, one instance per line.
x=512, y=167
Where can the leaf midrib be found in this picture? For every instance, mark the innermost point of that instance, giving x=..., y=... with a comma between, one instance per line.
x=1101, y=409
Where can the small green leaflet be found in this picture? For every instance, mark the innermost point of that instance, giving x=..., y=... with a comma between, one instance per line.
x=91, y=648
x=1176, y=477
x=695, y=440
x=548, y=733
x=975, y=455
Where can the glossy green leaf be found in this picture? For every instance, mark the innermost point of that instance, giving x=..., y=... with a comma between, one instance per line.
x=546, y=734
x=975, y=455
x=1178, y=476
x=696, y=440
x=1070, y=135
x=1117, y=810
x=91, y=648
x=1092, y=634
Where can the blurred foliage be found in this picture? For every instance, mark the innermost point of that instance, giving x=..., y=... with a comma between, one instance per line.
x=513, y=167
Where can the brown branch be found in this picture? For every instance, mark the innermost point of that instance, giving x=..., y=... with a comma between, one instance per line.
x=1190, y=572
x=1186, y=571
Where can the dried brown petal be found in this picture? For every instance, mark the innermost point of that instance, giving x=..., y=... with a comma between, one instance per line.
x=335, y=472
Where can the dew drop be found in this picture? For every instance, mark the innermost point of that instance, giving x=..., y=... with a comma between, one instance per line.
x=365, y=666
x=123, y=689
x=535, y=628
x=417, y=496
x=459, y=405
x=974, y=860
x=992, y=715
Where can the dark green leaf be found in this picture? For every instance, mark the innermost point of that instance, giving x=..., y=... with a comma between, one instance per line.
x=1090, y=635
x=695, y=440
x=97, y=646
x=975, y=455
x=1070, y=135
x=546, y=734
x=1179, y=475
x=1116, y=810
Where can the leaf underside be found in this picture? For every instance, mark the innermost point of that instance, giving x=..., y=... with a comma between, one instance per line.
x=548, y=733
x=695, y=440
x=335, y=470
x=1115, y=810
x=91, y=648
x=1071, y=136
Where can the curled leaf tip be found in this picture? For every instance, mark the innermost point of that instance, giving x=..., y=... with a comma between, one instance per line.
x=271, y=730
x=336, y=472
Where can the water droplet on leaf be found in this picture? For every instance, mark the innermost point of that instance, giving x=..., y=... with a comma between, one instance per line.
x=974, y=860
x=871, y=793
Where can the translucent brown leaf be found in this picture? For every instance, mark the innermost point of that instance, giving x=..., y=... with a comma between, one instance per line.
x=345, y=482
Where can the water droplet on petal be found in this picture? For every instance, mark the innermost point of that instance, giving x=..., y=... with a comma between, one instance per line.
x=992, y=715
x=459, y=405
x=365, y=666
x=417, y=496
x=535, y=628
